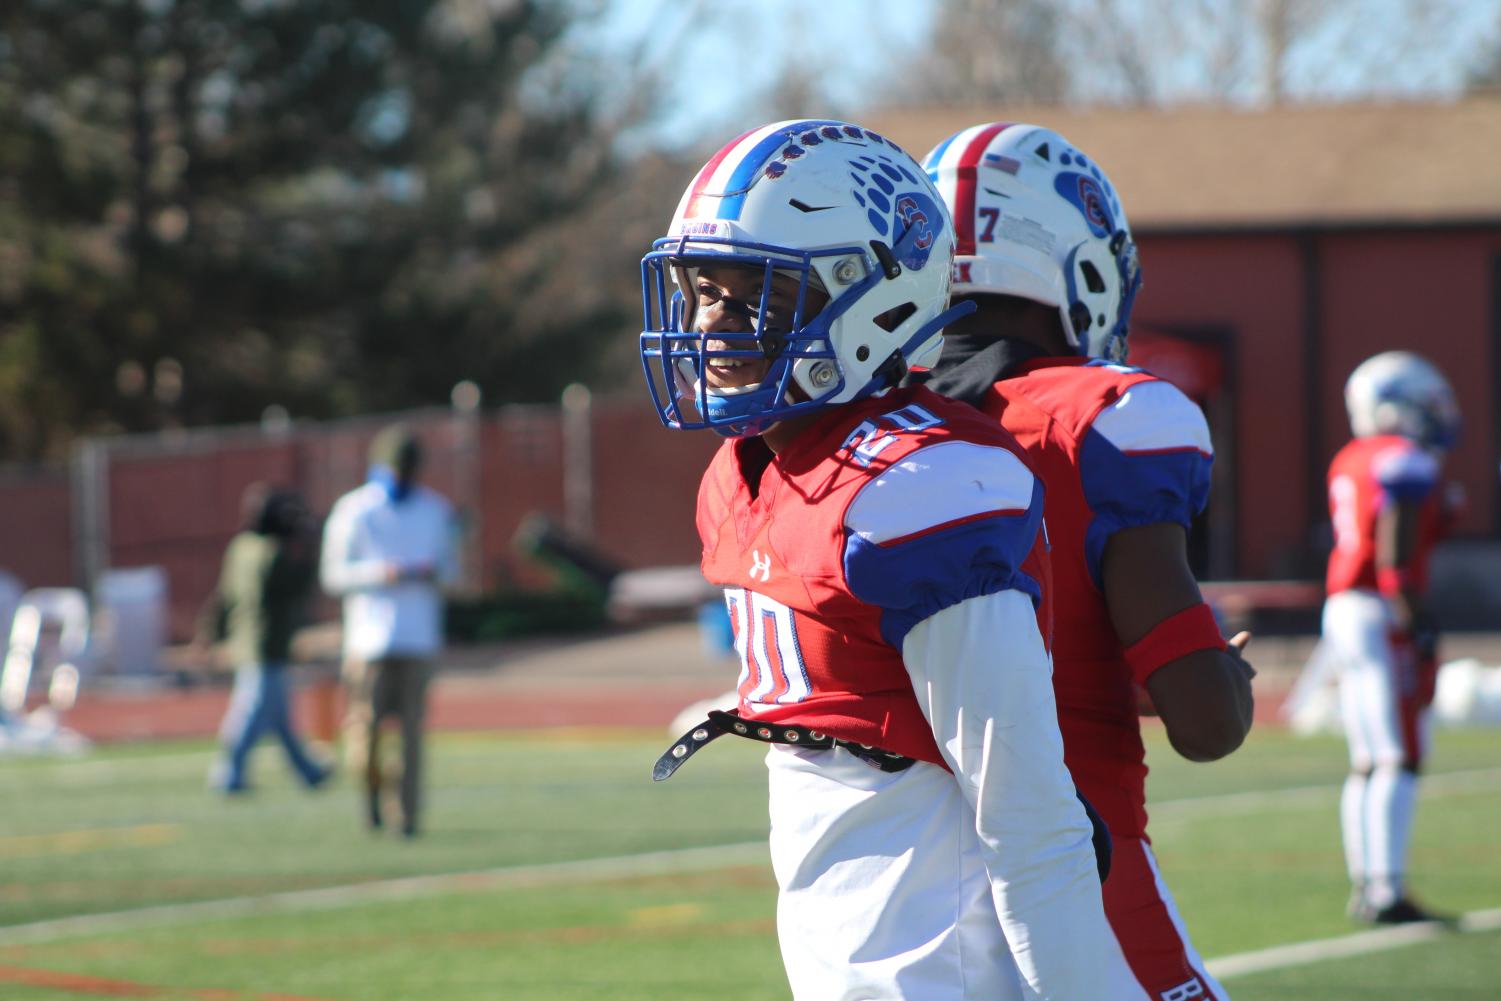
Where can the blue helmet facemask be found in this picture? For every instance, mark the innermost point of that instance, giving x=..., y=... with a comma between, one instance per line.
x=675, y=358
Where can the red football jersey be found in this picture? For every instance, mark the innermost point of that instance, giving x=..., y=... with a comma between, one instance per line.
x=880, y=514
x=1116, y=448
x=1367, y=475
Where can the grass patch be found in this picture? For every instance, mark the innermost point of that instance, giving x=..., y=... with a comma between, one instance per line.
x=1249, y=871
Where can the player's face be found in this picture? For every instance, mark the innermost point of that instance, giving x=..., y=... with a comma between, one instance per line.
x=728, y=299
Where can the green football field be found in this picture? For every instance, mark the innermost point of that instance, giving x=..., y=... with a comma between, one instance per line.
x=553, y=869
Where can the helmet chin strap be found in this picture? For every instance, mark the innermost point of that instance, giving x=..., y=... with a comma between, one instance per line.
x=724, y=410
x=894, y=369
x=740, y=412
x=1130, y=269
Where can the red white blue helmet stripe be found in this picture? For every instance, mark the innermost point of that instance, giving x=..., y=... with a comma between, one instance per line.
x=730, y=173
x=962, y=152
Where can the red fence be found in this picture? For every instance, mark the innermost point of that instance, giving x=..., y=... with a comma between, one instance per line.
x=173, y=500
x=36, y=536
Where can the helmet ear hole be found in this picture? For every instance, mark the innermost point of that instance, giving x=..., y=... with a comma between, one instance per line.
x=1078, y=313
x=895, y=316
x=1093, y=280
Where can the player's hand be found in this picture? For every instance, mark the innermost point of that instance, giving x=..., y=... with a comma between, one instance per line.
x=1236, y=648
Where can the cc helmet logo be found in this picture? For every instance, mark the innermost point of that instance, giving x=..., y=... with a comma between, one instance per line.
x=915, y=218
x=760, y=568
x=1093, y=200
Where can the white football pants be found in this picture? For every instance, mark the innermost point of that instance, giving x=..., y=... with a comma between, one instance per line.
x=884, y=896
x=1384, y=733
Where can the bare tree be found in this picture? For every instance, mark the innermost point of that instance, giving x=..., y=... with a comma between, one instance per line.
x=1254, y=52
x=987, y=51
x=1484, y=76
x=1273, y=51
x=1161, y=51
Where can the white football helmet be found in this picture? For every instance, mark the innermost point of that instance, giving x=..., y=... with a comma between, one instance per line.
x=1036, y=218
x=1398, y=392
x=835, y=206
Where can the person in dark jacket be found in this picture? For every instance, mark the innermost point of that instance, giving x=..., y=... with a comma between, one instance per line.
x=264, y=583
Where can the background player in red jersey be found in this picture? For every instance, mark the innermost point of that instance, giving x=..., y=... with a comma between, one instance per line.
x=1045, y=252
x=876, y=549
x=1388, y=510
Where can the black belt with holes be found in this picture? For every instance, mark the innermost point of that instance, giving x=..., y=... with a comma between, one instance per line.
x=720, y=723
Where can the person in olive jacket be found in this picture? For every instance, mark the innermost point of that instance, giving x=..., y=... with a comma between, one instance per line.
x=264, y=584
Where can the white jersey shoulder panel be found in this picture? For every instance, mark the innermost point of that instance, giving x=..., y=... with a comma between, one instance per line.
x=1154, y=417
x=938, y=485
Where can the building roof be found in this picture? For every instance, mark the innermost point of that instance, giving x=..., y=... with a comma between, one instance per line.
x=1202, y=167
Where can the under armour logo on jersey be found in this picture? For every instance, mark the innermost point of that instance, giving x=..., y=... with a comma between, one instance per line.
x=1183, y=992
x=760, y=566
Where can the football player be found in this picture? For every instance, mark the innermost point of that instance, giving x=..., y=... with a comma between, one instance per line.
x=1388, y=510
x=876, y=549
x=1045, y=253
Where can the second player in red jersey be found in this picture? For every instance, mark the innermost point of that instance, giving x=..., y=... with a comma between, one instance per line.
x=1045, y=252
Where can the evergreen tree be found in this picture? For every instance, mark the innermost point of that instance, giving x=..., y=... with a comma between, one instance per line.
x=209, y=206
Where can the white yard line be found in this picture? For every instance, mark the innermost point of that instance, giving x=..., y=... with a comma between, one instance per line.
x=78, y=770
x=1229, y=804
x=1281, y=957
x=748, y=853
x=666, y=863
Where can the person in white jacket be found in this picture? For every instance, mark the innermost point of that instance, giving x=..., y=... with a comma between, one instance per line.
x=388, y=553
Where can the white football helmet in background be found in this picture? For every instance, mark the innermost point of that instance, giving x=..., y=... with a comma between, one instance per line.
x=1036, y=218
x=841, y=209
x=1401, y=393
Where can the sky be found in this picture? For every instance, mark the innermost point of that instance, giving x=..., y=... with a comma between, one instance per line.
x=719, y=59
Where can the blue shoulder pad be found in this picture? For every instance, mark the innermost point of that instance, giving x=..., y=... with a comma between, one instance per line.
x=1146, y=460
